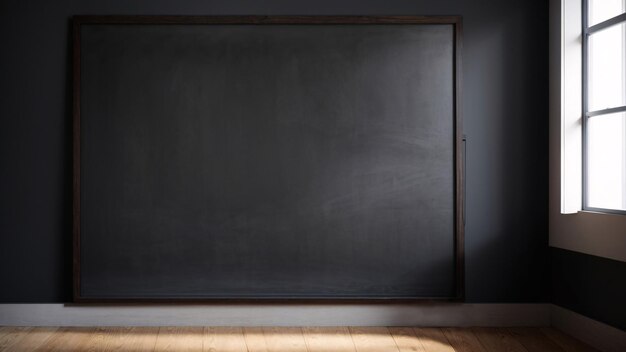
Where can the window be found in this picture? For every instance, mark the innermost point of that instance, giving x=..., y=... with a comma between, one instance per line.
x=604, y=105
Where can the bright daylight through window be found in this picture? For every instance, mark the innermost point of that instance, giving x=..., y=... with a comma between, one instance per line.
x=604, y=104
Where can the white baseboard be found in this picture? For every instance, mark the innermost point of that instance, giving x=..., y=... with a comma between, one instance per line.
x=431, y=314
x=599, y=335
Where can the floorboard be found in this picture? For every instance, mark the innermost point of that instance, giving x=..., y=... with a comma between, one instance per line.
x=31, y=339
x=463, y=340
x=11, y=335
x=130, y=338
x=174, y=338
x=406, y=340
x=328, y=339
x=371, y=339
x=566, y=342
x=534, y=340
x=224, y=339
x=255, y=339
x=284, y=340
x=433, y=340
x=67, y=339
x=498, y=340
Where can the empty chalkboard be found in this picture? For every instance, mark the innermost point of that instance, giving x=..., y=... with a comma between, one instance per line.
x=267, y=158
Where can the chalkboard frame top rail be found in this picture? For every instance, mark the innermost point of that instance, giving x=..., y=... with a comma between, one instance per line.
x=459, y=153
x=287, y=19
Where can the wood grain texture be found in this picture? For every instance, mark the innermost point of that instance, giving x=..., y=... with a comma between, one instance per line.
x=463, y=340
x=11, y=335
x=433, y=340
x=129, y=338
x=328, y=339
x=534, y=340
x=180, y=339
x=292, y=339
x=255, y=339
x=284, y=340
x=370, y=339
x=67, y=339
x=224, y=339
x=406, y=340
x=96, y=339
x=498, y=340
x=30, y=340
x=4, y=331
x=565, y=341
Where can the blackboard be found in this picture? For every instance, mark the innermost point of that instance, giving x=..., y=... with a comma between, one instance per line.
x=267, y=158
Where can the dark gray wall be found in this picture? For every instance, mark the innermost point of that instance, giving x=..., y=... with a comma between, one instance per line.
x=505, y=110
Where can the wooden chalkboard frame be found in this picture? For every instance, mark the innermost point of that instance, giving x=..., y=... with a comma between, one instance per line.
x=459, y=153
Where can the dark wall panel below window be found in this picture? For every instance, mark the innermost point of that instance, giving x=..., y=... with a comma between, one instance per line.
x=589, y=285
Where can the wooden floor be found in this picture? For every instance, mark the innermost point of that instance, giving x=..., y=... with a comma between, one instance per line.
x=312, y=339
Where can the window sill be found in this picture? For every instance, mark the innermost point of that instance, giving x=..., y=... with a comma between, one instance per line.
x=603, y=211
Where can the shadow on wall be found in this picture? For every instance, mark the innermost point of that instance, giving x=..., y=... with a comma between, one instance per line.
x=507, y=240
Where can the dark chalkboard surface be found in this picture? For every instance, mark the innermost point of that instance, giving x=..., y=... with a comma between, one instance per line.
x=266, y=158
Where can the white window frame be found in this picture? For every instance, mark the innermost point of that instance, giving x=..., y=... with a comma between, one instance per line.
x=593, y=233
x=570, y=106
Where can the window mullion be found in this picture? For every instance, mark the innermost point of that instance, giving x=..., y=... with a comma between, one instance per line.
x=606, y=24
x=606, y=111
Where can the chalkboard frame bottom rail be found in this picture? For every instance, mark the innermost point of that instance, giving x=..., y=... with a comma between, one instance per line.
x=91, y=301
